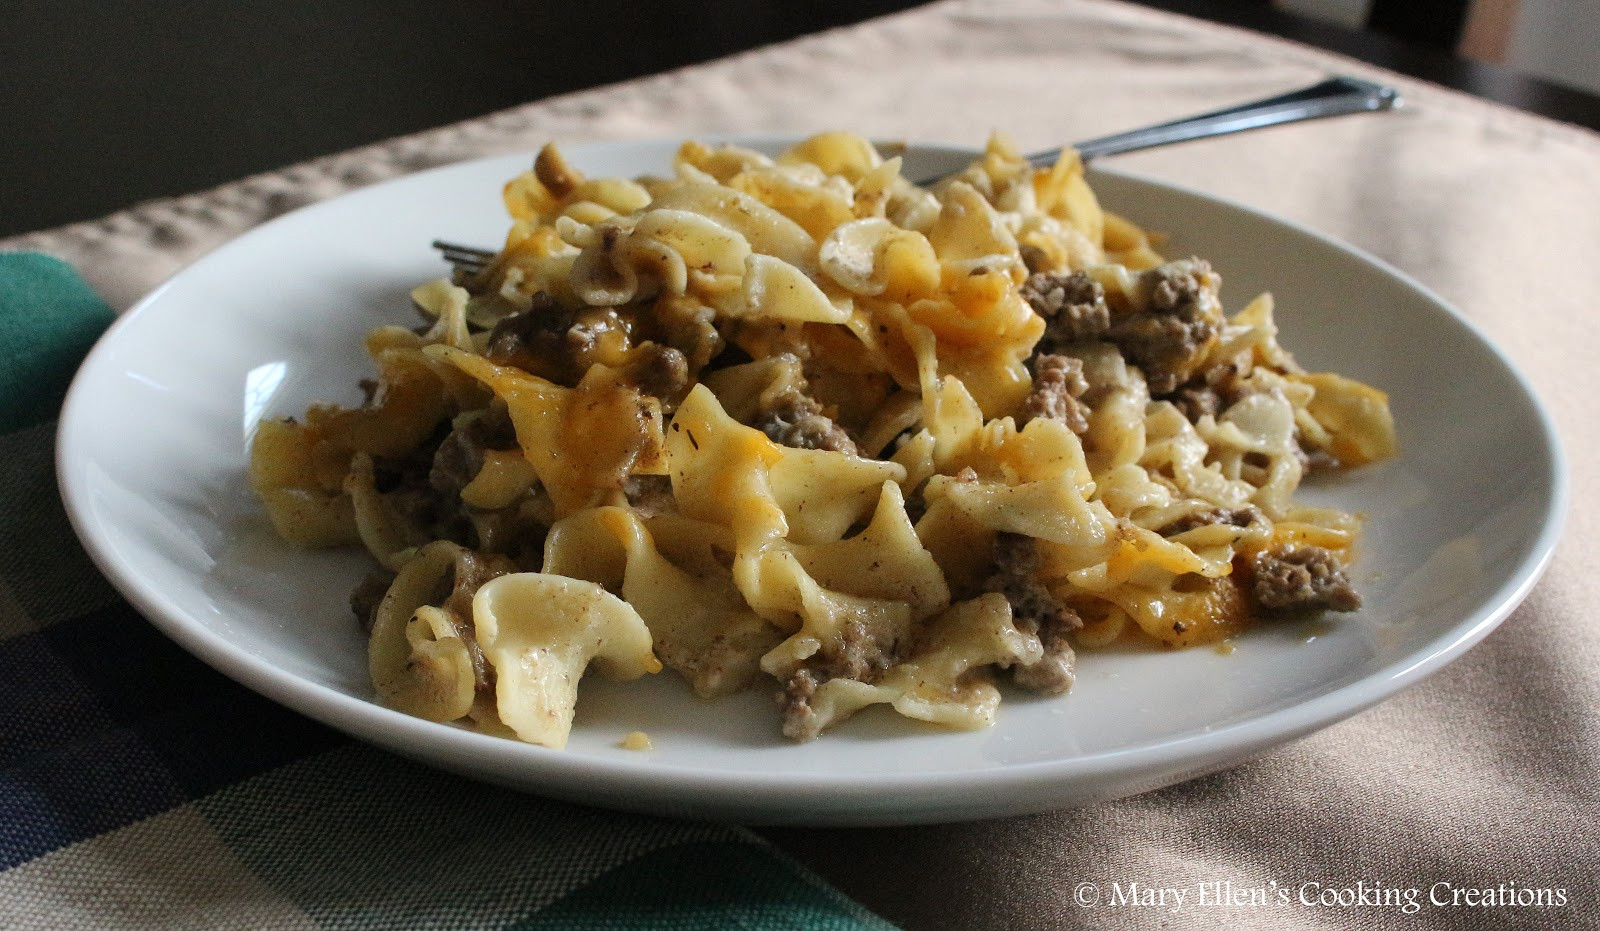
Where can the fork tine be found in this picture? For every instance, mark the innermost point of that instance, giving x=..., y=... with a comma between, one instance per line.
x=452, y=248
x=466, y=260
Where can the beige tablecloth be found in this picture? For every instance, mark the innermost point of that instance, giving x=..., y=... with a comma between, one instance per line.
x=1487, y=774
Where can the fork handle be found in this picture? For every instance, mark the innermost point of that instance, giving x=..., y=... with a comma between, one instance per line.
x=1334, y=97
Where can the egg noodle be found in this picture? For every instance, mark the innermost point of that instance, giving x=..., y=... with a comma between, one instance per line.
x=797, y=423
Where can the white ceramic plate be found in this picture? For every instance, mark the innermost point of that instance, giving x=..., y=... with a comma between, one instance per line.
x=152, y=457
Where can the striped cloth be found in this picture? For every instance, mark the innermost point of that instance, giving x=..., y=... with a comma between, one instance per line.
x=140, y=789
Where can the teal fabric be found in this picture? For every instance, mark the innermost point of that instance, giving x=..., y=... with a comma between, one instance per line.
x=695, y=886
x=48, y=319
x=140, y=789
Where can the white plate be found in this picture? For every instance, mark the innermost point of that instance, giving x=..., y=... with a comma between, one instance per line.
x=152, y=455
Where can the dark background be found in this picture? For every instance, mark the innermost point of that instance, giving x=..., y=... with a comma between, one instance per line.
x=108, y=102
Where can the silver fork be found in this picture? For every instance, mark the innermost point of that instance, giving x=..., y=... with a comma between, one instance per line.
x=1334, y=97
x=465, y=261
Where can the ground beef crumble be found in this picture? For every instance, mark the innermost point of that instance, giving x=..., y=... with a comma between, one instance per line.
x=366, y=597
x=1299, y=579
x=1058, y=383
x=1195, y=402
x=856, y=654
x=800, y=720
x=405, y=483
x=1209, y=392
x=549, y=340
x=454, y=594
x=660, y=371
x=472, y=569
x=1313, y=458
x=459, y=457
x=649, y=495
x=1202, y=396
x=1174, y=331
x=1054, y=673
x=1073, y=306
x=1035, y=610
x=542, y=326
x=794, y=418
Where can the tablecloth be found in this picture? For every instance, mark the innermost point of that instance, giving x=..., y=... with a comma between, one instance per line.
x=1483, y=777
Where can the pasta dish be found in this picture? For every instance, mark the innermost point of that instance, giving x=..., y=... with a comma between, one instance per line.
x=800, y=424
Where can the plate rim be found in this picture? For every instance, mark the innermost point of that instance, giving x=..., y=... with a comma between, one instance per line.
x=1209, y=749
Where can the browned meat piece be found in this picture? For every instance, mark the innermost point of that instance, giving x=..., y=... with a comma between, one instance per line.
x=660, y=371
x=367, y=596
x=688, y=326
x=454, y=594
x=404, y=483
x=1016, y=576
x=1313, y=458
x=794, y=418
x=460, y=455
x=1298, y=579
x=456, y=463
x=855, y=655
x=1058, y=383
x=1176, y=284
x=1035, y=610
x=1210, y=392
x=1196, y=401
x=545, y=322
x=1174, y=332
x=649, y=495
x=1241, y=517
x=799, y=718
x=472, y=570
x=396, y=473
x=424, y=511
x=1073, y=306
x=1053, y=673
x=547, y=339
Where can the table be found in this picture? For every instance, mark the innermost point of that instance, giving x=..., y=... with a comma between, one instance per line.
x=1483, y=775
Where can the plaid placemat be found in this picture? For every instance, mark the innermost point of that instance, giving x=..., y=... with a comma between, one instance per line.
x=140, y=789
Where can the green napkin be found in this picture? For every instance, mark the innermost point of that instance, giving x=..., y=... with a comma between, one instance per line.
x=48, y=319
